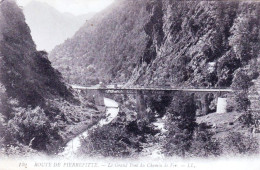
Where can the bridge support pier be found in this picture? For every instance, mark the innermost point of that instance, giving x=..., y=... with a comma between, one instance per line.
x=99, y=98
x=140, y=105
x=205, y=104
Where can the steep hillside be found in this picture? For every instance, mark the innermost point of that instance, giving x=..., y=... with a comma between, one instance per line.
x=49, y=26
x=26, y=73
x=110, y=37
x=36, y=107
x=199, y=43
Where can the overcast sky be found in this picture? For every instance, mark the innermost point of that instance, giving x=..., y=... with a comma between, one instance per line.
x=75, y=7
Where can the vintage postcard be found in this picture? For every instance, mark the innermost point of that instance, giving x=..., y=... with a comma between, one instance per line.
x=129, y=84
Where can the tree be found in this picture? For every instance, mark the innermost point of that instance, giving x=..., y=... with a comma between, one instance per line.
x=241, y=82
x=203, y=144
x=245, y=36
x=180, y=124
x=111, y=140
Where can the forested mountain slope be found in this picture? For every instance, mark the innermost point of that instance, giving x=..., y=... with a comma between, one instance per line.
x=199, y=43
x=25, y=73
x=34, y=101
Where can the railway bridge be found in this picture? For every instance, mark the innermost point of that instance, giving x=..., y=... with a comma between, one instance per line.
x=99, y=93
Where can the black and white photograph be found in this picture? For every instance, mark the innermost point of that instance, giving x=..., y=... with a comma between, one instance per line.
x=129, y=84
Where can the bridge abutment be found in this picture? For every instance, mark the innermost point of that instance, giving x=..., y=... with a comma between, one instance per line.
x=221, y=103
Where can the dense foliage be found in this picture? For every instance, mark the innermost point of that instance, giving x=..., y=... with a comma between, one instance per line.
x=237, y=143
x=181, y=123
x=204, y=144
x=110, y=141
x=33, y=128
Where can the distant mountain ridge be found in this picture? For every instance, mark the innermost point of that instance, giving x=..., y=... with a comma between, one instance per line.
x=49, y=26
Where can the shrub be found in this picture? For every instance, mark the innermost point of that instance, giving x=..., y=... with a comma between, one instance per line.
x=242, y=102
x=203, y=144
x=32, y=127
x=109, y=141
x=18, y=150
x=8, y=145
x=180, y=124
x=247, y=119
x=241, y=81
x=238, y=144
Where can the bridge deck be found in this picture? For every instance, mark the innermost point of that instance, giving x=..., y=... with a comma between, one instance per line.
x=152, y=89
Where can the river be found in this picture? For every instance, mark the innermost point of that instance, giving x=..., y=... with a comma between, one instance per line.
x=112, y=110
x=71, y=149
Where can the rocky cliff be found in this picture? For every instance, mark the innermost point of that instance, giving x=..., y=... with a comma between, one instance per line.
x=198, y=43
